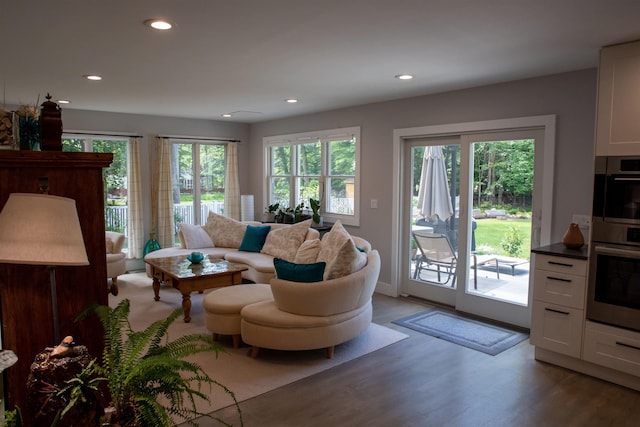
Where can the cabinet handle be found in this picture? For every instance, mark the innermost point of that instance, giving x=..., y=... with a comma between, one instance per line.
x=559, y=279
x=627, y=345
x=566, y=313
x=562, y=264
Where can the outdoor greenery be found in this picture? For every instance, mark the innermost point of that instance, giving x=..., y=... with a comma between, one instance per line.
x=491, y=233
x=299, y=166
x=503, y=174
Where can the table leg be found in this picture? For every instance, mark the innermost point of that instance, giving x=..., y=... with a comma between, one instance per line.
x=156, y=289
x=186, y=306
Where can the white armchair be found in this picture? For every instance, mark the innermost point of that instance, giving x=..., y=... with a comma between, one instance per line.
x=116, y=264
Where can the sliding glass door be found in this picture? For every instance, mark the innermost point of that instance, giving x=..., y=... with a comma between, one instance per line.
x=469, y=225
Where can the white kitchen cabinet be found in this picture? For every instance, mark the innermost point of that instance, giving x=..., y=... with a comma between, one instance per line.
x=618, y=105
x=558, y=304
x=559, y=329
x=614, y=348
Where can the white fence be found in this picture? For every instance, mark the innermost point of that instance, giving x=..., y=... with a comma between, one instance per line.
x=116, y=217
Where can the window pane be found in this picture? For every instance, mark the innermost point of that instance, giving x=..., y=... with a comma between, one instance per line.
x=280, y=191
x=342, y=157
x=183, y=183
x=308, y=187
x=73, y=145
x=309, y=159
x=281, y=160
x=341, y=196
x=212, y=164
x=115, y=180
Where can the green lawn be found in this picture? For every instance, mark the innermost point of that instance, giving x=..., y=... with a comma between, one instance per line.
x=490, y=233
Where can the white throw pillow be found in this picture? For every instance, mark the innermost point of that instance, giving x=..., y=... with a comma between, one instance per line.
x=195, y=237
x=284, y=242
x=308, y=252
x=339, y=251
x=225, y=232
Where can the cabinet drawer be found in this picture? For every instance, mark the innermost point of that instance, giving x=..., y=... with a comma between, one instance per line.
x=616, y=351
x=559, y=288
x=557, y=328
x=565, y=265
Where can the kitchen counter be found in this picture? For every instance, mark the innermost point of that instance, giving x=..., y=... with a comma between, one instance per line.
x=559, y=249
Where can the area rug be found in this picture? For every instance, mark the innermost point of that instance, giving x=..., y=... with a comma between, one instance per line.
x=484, y=337
x=245, y=376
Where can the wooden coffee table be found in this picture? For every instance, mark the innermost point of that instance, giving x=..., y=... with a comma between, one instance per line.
x=179, y=273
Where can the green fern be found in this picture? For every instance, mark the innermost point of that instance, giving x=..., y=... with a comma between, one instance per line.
x=148, y=377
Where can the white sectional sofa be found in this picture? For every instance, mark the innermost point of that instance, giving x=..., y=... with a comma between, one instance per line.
x=222, y=238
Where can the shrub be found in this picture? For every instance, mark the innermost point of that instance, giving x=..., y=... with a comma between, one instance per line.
x=512, y=241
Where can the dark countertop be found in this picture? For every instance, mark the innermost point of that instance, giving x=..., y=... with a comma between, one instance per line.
x=559, y=249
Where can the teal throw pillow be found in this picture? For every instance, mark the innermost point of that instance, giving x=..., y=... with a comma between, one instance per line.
x=254, y=238
x=306, y=273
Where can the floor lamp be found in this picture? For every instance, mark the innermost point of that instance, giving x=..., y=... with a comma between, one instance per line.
x=40, y=229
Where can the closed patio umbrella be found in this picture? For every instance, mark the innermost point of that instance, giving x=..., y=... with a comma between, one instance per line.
x=434, y=197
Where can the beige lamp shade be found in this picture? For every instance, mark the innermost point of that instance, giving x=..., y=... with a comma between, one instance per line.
x=41, y=229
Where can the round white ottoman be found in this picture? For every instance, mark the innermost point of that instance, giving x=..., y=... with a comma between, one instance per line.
x=222, y=308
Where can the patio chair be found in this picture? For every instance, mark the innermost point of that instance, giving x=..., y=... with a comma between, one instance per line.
x=437, y=255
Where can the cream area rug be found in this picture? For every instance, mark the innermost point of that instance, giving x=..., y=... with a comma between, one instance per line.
x=245, y=376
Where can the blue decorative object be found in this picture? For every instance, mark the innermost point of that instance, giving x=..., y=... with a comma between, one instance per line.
x=195, y=257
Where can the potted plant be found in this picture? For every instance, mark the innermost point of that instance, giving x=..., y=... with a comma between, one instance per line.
x=147, y=376
x=315, y=207
x=270, y=213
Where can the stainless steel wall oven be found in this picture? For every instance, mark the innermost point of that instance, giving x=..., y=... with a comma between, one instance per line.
x=613, y=293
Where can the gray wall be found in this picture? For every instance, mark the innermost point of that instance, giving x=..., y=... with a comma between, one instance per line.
x=569, y=96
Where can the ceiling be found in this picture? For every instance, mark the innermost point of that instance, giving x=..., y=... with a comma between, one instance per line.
x=246, y=57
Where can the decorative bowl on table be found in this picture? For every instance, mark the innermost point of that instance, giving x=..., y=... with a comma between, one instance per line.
x=195, y=257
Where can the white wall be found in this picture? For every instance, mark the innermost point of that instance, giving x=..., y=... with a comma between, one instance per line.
x=570, y=96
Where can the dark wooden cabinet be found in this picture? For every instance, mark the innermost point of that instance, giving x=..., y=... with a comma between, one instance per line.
x=25, y=296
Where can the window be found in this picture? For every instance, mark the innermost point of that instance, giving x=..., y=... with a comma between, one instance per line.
x=115, y=176
x=198, y=180
x=321, y=165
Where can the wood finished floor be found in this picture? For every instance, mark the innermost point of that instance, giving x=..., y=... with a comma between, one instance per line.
x=425, y=381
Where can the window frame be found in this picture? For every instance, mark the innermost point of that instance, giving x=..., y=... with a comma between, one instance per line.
x=325, y=137
x=196, y=171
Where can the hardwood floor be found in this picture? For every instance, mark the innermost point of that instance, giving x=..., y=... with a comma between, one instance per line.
x=425, y=381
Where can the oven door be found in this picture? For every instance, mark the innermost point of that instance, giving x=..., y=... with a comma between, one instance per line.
x=613, y=294
x=622, y=198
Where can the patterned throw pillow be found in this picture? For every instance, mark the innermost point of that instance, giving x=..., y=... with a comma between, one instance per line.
x=284, y=242
x=225, y=232
x=308, y=252
x=195, y=237
x=340, y=253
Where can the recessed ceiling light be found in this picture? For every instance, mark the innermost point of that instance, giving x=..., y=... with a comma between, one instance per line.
x=227, y=115
x=94, y=77
x=158, y=24
x=404, y=76
x=291, y=100
x=64, y=101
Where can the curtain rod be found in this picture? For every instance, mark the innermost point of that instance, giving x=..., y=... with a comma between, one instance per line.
x=199, y=138
x=88, y=133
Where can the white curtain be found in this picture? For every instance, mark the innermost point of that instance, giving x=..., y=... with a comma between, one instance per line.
x=165, y=224
x=135, y=224
x=231, y=183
